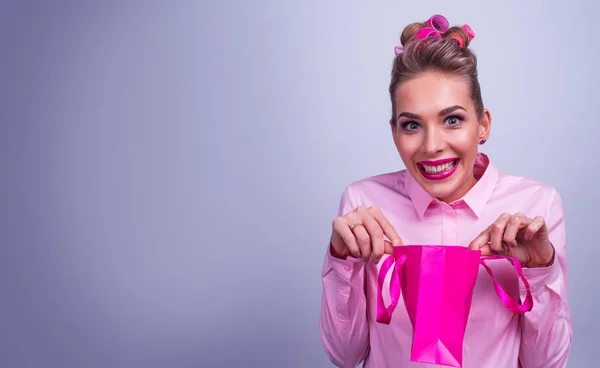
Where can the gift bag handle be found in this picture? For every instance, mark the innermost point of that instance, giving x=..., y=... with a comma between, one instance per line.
x=508, y=301
x=384, y=315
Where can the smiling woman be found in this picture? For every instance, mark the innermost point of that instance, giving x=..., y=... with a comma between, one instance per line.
x=437, y=140
x=450, y=194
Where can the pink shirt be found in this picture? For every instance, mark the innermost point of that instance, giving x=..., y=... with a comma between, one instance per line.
x=495, y=337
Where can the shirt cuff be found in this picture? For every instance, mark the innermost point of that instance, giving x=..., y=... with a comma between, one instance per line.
x=540, y=277
x=343, y=268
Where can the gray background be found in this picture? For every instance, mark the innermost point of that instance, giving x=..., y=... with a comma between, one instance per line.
x=170, y=170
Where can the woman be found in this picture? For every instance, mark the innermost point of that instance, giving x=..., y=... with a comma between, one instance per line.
x=449, y=194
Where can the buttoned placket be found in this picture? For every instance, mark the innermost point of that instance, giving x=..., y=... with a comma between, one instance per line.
x=449, y=224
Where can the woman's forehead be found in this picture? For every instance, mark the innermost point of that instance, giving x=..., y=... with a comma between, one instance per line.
x=432, y=92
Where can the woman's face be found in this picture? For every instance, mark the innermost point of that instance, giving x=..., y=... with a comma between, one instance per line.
x=437, y=132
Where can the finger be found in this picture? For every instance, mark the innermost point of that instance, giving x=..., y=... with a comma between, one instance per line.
x=482, y=243
x=386, y=226
x=515, y=223
x=363, y=240
x=497, y=233
x=538, y=223
x=375, y=233
x=486, y=250
x=389, y=247
x=481, y=240
x=342, y=230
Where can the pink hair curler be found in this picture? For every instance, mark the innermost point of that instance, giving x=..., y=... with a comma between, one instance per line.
x=439, y=23
x=469, y=31
x=459, y=39
x=426, y=32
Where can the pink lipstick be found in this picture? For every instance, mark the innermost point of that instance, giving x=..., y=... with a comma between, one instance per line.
x=433, y=173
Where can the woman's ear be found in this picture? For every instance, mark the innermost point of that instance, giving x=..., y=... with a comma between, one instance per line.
x=485, y=124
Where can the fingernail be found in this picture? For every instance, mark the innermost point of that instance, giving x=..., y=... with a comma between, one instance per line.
x=357, y=255
x=527, y=237
x=375, y=261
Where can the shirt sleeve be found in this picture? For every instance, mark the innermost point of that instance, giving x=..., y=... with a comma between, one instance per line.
x=343, y=320
x=546, y=330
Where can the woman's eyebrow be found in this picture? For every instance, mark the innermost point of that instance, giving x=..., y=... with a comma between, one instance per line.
x=450, y=109
x=443, y=112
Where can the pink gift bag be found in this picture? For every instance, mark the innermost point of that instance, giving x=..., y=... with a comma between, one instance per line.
x=437, y=285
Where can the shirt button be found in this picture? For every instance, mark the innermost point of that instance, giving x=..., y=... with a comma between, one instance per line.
x=347, y=268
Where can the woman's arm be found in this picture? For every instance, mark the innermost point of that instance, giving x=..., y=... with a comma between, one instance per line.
x=343, y=320
x=546, y=329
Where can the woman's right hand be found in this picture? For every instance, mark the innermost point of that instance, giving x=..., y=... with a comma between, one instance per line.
x=360, y=233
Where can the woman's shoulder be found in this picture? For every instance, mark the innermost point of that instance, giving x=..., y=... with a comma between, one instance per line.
x=388, y=180
x=519, y=181
x=515, y=187
x=524, y=187
x=376, y=189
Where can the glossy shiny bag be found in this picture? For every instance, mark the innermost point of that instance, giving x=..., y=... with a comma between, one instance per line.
x=436, y=284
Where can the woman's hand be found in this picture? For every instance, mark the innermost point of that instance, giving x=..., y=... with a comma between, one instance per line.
x=517, y=236
x=360, y=233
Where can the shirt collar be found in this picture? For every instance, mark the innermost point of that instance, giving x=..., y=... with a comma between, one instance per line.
x=476, y=198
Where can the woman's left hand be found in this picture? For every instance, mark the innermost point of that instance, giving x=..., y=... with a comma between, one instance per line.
x=517, y=236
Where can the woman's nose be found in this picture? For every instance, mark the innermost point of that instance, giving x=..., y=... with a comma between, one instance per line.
x=433, y=142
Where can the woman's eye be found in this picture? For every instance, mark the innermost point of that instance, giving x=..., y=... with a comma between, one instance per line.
x=411, y=126
x=453, y=121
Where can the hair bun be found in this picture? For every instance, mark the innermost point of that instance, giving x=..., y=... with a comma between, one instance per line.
x=437, y=28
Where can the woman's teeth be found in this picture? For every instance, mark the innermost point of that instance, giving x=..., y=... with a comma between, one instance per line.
x=438, y=169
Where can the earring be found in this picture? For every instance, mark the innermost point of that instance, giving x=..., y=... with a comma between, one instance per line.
x=482, y=141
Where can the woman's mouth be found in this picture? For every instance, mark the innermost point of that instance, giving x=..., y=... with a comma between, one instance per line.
x=438, y=170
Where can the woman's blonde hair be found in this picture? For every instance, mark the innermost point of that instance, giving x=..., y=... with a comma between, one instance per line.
x=433, y=46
